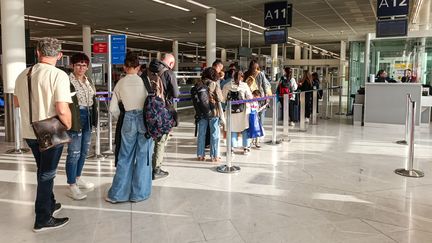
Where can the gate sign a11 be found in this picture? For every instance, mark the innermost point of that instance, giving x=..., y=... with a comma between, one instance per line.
x=386, y=8
x=277, y=14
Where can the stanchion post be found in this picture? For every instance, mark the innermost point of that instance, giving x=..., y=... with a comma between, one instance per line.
x=286, y=117
x=98, y=138
x=302, y=111
x=314, y=106
x=17, y=133
x=409, y=170
x=274, y=140
x=408, y=104
x=228, y=168
x=340, y=102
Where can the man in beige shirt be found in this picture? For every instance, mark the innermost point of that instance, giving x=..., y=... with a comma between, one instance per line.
x=50, y=96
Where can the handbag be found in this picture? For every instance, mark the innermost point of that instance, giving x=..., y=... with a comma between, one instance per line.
x=255, y=128
x=49, y=132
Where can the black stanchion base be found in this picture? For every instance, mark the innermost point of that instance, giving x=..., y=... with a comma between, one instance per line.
x=277, y=142
x=409, y=173
x=96, y=156
x=108, y=153
x=18, y=151
x=228, y=169
x=402, y=142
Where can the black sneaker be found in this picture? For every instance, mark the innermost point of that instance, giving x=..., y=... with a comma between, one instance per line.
x=53, y=223
x=58, y=207
x=158, y=173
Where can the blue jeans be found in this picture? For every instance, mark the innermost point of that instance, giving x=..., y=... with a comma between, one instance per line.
x=46, y=162
x=133, y=177
x=245, y=139
x=78, y=148
x=214, y=136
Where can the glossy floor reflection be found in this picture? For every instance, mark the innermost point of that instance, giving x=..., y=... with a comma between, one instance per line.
x=333, y=183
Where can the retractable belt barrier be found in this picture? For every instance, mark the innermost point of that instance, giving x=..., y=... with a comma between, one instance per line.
x=409, y=170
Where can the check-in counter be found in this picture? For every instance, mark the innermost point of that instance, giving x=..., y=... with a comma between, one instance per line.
x=385, y=103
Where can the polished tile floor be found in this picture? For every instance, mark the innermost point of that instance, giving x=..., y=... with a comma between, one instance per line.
x=333, y=183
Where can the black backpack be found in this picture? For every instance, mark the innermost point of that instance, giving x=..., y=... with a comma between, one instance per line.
x=235, y=96
x=200, y=98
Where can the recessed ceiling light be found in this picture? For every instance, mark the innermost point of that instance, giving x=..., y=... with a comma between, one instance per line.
x=48, y=2
x=198, y=4
x=131, y=12
x=171, y=5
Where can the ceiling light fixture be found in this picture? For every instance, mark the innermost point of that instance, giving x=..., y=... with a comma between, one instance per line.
x=237, y=26
x=171, y=5
x=44, y=22
x=247, y=22
x=198, y=4
x=50, y=20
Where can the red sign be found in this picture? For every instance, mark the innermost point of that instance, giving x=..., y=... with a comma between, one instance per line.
x=100, y=47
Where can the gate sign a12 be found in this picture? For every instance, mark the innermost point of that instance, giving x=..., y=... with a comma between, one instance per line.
x=277, y=14
x=386, y=8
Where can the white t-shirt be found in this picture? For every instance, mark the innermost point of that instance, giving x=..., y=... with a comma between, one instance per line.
x=48, y=86
x=131, y=92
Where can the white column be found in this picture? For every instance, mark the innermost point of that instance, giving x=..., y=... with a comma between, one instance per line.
x=13, y=55
x=310, y=53
x=223, y=56
x=297, y=52
x=86, y=39
x=211, y=36
x=424, y=17
x=342, y=63
x=149, y=58
x=366, y=56
x=175, y=53
x=158, y=55
x=274, y=56
x=305, y=55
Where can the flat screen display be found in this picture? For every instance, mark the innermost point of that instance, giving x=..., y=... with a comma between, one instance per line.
x=278, y=36
x=392, y=28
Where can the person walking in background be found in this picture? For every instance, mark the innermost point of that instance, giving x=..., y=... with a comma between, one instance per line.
x=83, y=111
x=133, y=178
x=50, y=96
x=238, y=90
x=163, y=68
x=288, y=85
x=305, y=84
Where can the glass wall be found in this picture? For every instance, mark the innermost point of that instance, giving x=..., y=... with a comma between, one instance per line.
x=356, y=69
x=395, y=56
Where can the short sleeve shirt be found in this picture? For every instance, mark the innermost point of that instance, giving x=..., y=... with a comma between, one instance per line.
x=49, y=85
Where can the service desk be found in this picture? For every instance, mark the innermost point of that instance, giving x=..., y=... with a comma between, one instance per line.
x=385, y=103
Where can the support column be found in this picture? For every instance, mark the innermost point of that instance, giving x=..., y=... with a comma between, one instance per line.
x=297, y=52
x=342, y=63
x=175, y=53
x=305, y=55
x=425, y=15
x=149, y=58
x=197, y=55
x=223, y=56
x=211, y=36
x=283, y=54
x=158, y=55
x=86, y=39
x=366, y=56
x=274, y=56
x=13, y=56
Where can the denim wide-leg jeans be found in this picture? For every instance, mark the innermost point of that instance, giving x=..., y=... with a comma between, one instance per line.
x=133, y=177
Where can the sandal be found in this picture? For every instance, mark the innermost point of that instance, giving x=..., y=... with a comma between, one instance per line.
x=216, y=159
x=200, y=158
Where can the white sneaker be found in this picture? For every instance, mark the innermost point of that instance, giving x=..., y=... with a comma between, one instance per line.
x=307, y=120
x=75, y=193
x=292, y=124
x=82, y=184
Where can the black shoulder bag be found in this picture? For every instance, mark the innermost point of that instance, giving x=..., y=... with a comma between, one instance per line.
x=49, y=132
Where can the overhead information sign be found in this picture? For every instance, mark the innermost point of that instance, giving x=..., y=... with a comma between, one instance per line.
x=118, y=49
x=387, y=8
x=100, y=49
x=392, y=28
x=277, y=14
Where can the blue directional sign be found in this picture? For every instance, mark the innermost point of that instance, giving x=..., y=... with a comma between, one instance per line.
x=277, y=14
x=118, y=49
x=387, y=8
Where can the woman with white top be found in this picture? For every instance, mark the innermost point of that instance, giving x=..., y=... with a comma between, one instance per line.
x=240, y=113
x=133, y=178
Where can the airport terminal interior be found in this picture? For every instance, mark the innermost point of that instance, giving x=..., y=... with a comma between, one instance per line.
x=354, y=166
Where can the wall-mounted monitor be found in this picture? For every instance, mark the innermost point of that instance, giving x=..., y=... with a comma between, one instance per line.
x=276, y=36
x=392, y=28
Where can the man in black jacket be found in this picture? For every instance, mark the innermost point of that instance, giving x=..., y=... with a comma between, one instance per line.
x=164, y=68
